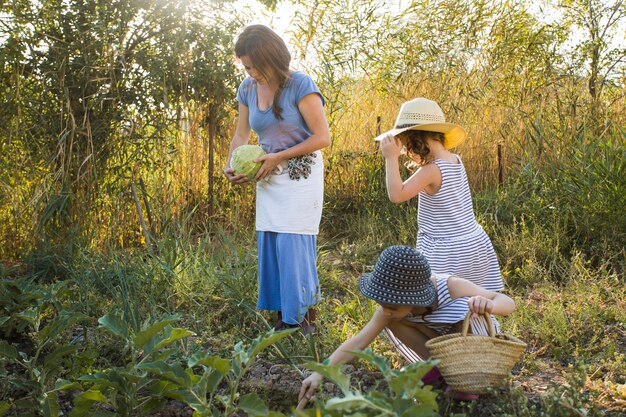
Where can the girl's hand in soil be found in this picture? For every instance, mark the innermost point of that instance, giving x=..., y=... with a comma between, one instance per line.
x=309, y=386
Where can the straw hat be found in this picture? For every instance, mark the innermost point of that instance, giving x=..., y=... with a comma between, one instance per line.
x=401, y=276
x=423, y=114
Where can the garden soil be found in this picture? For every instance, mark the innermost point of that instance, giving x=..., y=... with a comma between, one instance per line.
x=279, y=385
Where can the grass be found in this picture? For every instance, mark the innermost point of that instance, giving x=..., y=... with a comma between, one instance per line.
x=571, y=311
x=559, y=237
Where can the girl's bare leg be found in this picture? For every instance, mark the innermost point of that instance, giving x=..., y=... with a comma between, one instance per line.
x=413, y=335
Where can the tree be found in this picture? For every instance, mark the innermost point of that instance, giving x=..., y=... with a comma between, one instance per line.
x=602, y=47
x=99, y=85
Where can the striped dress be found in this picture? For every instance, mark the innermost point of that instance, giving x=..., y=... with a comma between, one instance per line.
x=443, y=318
x=452, y=240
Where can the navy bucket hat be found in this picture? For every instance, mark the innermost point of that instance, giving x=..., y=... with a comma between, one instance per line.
x=401, y=276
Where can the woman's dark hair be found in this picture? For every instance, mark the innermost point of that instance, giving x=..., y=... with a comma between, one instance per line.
x=416, y=143
x=270, y=56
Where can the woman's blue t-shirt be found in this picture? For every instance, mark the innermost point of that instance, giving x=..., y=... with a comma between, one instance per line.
x=276, y=135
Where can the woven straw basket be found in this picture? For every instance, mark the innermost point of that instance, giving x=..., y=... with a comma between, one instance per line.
x=475, y=363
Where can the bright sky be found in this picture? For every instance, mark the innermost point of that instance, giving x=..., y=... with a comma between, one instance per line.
x=279, y=21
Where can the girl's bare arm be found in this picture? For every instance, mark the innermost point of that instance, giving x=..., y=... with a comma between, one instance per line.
x=241, y=136
x=481, y=300
x=397, y=190
x=341, y=355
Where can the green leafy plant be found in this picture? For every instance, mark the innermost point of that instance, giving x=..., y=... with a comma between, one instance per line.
x=214, y=390
x=37, y=363
x=128, y=389
x=405, y=395
x=156, y=371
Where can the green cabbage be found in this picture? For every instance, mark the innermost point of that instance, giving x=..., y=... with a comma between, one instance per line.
x=241, y=160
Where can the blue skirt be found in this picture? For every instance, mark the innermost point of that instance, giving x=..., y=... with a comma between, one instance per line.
x=288, y=278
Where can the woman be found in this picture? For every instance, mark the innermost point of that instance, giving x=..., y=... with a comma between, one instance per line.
x=285, y=109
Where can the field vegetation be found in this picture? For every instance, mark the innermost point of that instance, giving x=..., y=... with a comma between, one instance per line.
x=128, y=263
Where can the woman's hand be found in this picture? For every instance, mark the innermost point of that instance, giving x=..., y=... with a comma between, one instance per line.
x=309, y=386
x=270, y=162
x=480, y=305
x=391, y=147
x=235, y=179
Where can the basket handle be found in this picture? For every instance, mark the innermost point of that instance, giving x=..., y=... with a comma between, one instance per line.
x=486, y=316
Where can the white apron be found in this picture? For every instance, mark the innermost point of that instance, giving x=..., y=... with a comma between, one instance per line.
x=287, y=205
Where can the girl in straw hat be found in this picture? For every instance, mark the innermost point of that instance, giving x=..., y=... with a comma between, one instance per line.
x=448, y=234
x=416, y=304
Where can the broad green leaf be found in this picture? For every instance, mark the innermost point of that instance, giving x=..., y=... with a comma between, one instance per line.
x=8, y=351
x=194, y=378
x=26, y=385
x=420, y=367
x=266, y=340
x=115, y=325
x=27, y=403
x=53, y=358
x=84, y=401
x=379, y=361
x=174, y=373
x=215, y=362
x=402, y=405
x=60, y=324
x=427, y=397
x=405, y=383
x=97, y=376
x=422, y=410
x=4, y=320
x=379, y=398
x=146, y=335
x=51, y=407
x=187, y=397
x=200, y=386
x=163, y=387
x=64, y=384
x=175, y=334
x=152, y=405
x=122, y=376
x=253, y=405
x=349, y=402
x=92, y=395
x=30, y=315
x=4, y=407
x=408, y=379
x=163, y=355
x=332, y=372
x=213, y=380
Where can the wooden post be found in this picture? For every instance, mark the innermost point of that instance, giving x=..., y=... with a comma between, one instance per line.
x=142, y=222
x=211, y=186
x=500, y=165
x=146, y=203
